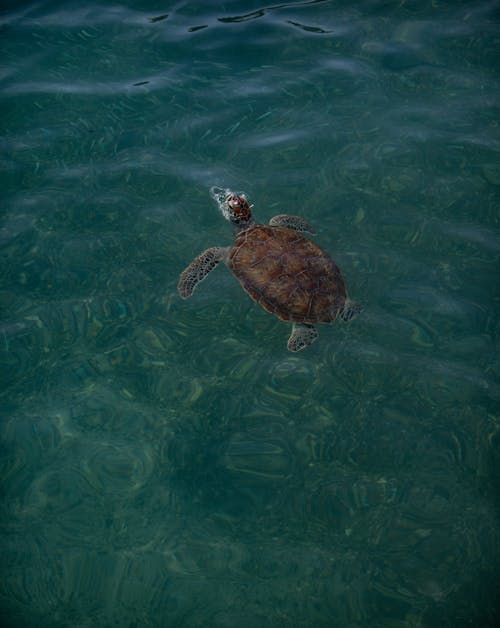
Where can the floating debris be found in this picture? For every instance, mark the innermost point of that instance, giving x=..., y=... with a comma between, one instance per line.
x=159, y=18
x=193, y=29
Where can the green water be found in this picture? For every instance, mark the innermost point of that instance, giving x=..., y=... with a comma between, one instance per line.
x=169, y=462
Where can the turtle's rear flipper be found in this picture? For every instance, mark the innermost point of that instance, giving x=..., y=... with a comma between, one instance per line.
x=301, y=337
x=350, y=310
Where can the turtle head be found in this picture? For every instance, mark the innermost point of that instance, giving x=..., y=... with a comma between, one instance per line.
x=234, y=207
x=238, y=210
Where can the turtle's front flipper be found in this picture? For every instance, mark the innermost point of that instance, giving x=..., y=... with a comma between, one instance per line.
x=291, y=222
x=199, y=269
x=350, y=310
x=301, y=337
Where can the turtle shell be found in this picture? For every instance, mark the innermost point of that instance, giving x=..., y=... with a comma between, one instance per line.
x=289, y=275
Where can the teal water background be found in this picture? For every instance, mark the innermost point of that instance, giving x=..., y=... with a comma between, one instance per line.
x=170, y=463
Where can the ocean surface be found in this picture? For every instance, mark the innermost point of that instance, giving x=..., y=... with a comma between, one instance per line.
x=170, y=463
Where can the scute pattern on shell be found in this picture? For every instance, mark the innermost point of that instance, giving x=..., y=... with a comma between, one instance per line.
x=287, y=274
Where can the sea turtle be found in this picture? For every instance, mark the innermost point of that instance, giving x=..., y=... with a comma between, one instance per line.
x=282, y=270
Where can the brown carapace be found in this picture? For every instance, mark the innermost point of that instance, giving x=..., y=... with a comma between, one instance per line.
x=287, y=274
